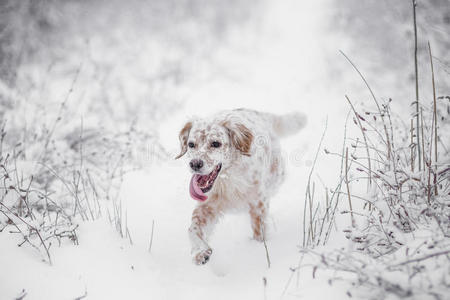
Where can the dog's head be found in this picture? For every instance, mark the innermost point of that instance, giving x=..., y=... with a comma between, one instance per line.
x=211, y=147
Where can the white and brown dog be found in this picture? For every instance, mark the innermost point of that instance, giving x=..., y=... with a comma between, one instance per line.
x=235, y=158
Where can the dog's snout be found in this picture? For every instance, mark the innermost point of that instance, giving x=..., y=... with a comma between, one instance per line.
x=196, y=164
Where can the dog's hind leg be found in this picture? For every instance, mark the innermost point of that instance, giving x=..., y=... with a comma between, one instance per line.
x=258, y=220
x=204, y=218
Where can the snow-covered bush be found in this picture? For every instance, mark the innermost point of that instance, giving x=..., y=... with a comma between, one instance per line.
x=397, y=207
x=83, y=86
x=61, y=154
x=394, y=195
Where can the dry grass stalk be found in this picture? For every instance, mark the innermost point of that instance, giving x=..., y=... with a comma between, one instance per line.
x=32, y=229
x=424, y=158
x=397, y=213
x=411, y=145
x=308, y=238
x=416, y=70
x=358, y=119
x=348, y=189
x=434, y=123
x=395, y=226
x=388, y=143
x=335, y=193
x=425, y=257
x=265, y=245
x=32, y=218
x=43, y=156
x=151, y=237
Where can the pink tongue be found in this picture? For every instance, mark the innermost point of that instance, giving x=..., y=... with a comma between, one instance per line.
x=195, y=191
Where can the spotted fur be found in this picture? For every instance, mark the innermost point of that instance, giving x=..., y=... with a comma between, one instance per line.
x=252, y=167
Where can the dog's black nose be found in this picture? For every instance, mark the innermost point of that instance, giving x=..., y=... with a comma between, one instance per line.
x=196, y=164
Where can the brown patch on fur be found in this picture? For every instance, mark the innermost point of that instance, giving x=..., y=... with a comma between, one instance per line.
x=183, y=136
x=241, y=137
x=202, y=215
x=202, y=135
x=257, y=215
x=274, y=167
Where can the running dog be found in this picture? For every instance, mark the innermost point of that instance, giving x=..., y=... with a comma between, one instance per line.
x=235, y=158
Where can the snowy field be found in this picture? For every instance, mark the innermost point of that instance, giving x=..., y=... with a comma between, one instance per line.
x=280, y=57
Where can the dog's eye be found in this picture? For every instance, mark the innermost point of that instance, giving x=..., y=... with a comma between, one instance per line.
x=216, y=144
x=191, y=145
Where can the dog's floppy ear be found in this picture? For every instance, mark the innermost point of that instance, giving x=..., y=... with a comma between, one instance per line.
x=184, y=134
x=240, y=136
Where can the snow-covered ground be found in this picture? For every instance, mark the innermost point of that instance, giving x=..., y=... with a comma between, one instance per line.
x=280, y=66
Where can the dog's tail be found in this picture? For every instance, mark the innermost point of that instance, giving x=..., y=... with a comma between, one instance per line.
x=288, y=124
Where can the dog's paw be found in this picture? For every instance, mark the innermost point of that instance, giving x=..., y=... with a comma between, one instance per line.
x=202, y=257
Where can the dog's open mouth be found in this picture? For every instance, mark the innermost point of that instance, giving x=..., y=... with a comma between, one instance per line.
x=201, y=184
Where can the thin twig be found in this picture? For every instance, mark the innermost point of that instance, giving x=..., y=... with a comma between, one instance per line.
x=375, y=100
x=419, y=155
x=424, y=159
x=348, y=188
x=33, y=229
x=305, y=241
x=265, y=245
x=365, y=138
x=151, y=237
x=434, y=122
x=422, y=258
x=82, y=296
x=412, y=146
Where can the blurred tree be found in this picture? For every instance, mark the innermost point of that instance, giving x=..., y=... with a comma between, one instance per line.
x=382, y=33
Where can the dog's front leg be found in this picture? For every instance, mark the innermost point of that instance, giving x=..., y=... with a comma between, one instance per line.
x=204, y=218
x=258, y=220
